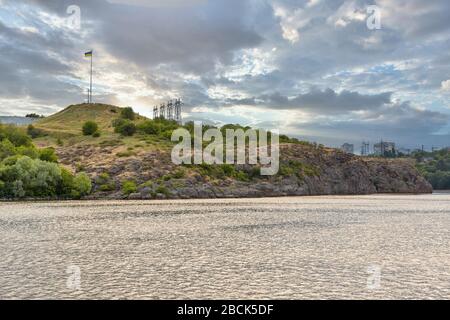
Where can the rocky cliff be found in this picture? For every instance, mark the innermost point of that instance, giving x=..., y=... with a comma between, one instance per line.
x=305, y=170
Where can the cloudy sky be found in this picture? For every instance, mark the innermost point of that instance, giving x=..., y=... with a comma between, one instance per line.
x=311, y=68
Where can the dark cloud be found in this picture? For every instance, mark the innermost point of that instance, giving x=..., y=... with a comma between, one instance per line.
x=279, y=54
x=321, y=101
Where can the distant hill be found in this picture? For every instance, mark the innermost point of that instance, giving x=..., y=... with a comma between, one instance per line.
x=71, y=119
x=20, y=121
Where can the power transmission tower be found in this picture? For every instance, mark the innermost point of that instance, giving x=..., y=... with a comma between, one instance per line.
x=170, y=110
x=162, y=111
x=155, y=112
x=178, y=105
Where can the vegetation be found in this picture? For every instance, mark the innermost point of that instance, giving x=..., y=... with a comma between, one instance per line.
x=125, y=127
x=435, y=166
x=34, y=115
x=26, y=171
x=129, y=187
x=69, y=121
x=105, y=182
x=127, y=113
x=89, y=128
x=48, y=154
x=34, y=133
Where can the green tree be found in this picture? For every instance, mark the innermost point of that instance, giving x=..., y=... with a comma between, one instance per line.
x=127, y=113
x=89, y=128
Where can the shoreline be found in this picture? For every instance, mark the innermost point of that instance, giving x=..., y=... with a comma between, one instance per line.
x=176, y=200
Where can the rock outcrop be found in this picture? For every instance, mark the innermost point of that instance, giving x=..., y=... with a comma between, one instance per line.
x=323, y=171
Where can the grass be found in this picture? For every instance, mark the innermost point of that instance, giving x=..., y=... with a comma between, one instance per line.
x=69, y=121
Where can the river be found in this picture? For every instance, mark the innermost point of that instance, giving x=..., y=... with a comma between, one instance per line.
x=353, y=247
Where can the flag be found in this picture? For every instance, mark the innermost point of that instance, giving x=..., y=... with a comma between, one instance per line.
x=89, y=53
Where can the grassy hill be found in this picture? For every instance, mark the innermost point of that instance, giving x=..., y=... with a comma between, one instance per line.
x=137, y=164
x=70, y=120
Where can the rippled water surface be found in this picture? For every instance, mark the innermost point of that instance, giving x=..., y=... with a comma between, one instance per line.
x=293, y=248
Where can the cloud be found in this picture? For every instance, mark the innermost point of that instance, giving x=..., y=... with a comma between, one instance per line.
x=318, y=101
x=252, y=61
x=445, y=85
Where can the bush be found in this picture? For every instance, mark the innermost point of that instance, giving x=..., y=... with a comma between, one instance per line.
x=162, y=190
x=150, y=127
x=129, y=187
x=127, y=113
x=96, y=134
x=15, y=135
x=7, y=149
x=89, y=128
x=34, y=133
x=125, y=128
x=82, y=185
x=105, y=182
x=48, y=154
x=31, y=178
x=30, y=151
x=25, y=177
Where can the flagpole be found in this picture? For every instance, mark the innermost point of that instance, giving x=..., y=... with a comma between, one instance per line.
x=90, y=100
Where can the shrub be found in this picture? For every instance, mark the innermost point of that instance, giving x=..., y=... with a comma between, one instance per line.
x=150, y=127
x=163, y=190
x=126, y=128
x=82, y=185
x=125, y=154
x=31, y=177
x=15, y=135
x=67, y=182
x=127, y=113
x=30, y=151
x=2, y=188
x=26, y=177
x=10, y=161
x=179, y=174
x=7, y=149
x=129, y=187
x=48, y=154
x=105, y=182
x=89, y=128
x=96, y=134
x=33, y=132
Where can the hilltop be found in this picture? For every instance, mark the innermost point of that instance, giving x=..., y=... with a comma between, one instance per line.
x=140, y=166
x=70, y=120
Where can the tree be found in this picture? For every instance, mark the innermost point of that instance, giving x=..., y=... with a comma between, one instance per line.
x=89, y=128
x=127, y=113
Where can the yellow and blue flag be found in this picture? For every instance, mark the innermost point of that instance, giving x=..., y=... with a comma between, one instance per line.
x=89, y=53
